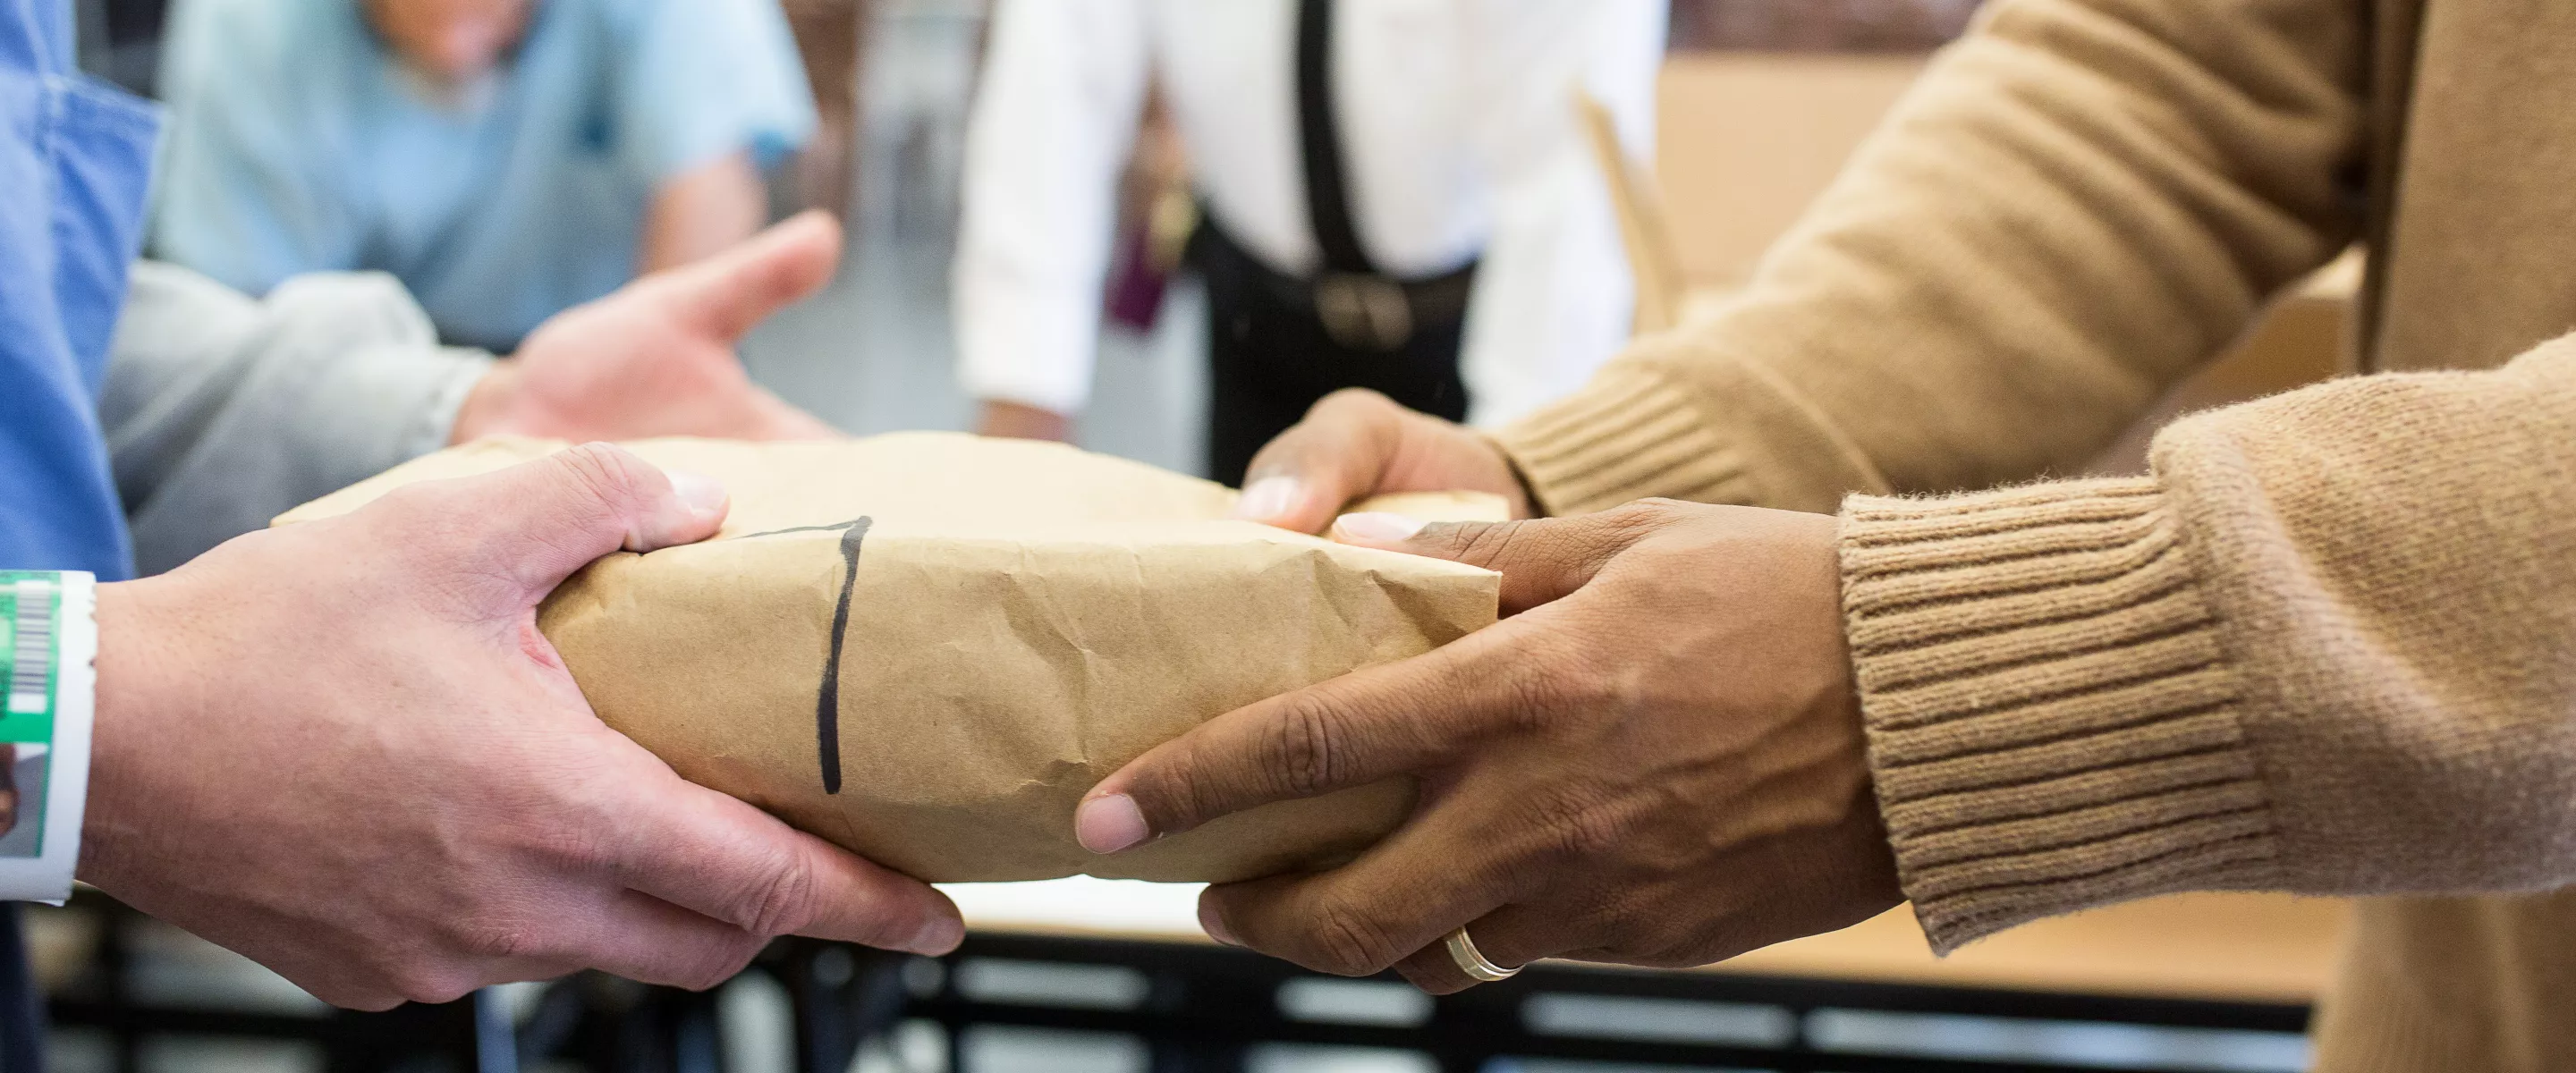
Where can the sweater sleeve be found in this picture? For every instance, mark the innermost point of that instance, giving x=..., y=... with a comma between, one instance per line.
x=221, y=412
x=2079, y=202
x=2328, y=648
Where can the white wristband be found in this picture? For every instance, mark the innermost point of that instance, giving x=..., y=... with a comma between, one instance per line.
x=48, y=642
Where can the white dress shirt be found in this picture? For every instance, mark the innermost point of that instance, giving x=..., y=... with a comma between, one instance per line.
x=1460, y=137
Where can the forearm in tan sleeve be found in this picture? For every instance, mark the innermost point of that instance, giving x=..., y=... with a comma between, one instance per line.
x=2079, y=203
x=2325, y=648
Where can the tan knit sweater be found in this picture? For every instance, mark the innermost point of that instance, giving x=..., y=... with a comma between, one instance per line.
x=2330, y=646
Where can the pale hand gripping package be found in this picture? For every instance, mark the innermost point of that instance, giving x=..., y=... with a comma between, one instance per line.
x=927, y=646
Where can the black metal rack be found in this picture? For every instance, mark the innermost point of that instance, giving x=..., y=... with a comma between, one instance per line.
x=1203, y=1005
x=1197, y=1008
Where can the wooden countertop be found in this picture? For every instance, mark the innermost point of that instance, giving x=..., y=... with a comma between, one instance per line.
x=2237, y=947
x=2257, y=947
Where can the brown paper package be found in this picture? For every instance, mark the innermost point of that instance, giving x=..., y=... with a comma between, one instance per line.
x=1012, y=622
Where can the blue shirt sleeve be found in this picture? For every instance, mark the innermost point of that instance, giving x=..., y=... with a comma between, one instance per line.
x=75, y=157
x=707, y=78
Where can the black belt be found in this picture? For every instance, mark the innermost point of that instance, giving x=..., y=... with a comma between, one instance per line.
x=1361, y=307
x=1368, y=311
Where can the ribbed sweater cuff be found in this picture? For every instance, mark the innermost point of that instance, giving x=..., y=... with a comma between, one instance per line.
x=1628, y=436
x=1669, y=421
x=2052, y=719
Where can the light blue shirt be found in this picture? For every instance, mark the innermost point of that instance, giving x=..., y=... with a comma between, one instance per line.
x=298, y=144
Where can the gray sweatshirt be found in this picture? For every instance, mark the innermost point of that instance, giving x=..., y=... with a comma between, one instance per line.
x=222, y=411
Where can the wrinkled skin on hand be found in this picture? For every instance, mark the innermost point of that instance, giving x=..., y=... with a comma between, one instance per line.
x=1657, y=759
x=342, y=749
x=656, y=358
x=1354, y=444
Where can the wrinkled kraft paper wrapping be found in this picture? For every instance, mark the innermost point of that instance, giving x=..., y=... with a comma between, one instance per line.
x=1012, y=622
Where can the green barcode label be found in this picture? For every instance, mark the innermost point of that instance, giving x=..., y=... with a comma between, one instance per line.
x=31, y=605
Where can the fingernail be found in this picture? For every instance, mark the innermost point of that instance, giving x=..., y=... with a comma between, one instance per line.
x=702, y=494
x=1214, y=925
x=702, y=503
x=937, y=937
x=1376, y=527
x=1269, y=498
x=1109, y=824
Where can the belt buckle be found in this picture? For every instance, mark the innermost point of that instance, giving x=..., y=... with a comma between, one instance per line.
x=1364, y=311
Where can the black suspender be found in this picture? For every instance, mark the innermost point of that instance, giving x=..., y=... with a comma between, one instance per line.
x=1328, y=199
x=1361, y=307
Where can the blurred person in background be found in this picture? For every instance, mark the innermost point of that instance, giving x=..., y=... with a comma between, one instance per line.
x=1394, y=196
x=505, y=159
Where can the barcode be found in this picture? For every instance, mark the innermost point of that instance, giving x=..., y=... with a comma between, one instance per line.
x=31, y=660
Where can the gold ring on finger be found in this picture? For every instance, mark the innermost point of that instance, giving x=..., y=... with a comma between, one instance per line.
x=1473, y=961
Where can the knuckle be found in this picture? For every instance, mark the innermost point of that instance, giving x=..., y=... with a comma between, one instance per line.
x=1492, y=542
x=1348, y=941
x=781, y=900
x=1473, y=543
x=602, y=473
x=1303, y=748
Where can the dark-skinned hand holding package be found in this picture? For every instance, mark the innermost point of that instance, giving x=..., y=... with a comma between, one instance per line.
x=926, y=646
